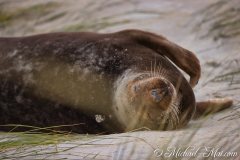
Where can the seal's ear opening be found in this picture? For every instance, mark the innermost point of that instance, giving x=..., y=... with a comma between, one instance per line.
x=183, y=58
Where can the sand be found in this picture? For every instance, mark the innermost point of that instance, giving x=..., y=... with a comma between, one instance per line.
x=209, y=28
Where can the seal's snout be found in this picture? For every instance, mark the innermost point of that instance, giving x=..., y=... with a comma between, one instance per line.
x=151, y=92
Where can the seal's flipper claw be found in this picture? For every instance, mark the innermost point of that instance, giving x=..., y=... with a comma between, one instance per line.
x=212, y=106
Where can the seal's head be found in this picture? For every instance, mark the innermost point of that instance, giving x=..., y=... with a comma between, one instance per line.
x=144, y=100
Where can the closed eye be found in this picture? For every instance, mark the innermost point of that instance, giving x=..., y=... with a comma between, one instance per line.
x=136, y=88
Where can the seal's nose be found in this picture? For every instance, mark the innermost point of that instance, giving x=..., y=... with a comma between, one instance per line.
x=158, y=94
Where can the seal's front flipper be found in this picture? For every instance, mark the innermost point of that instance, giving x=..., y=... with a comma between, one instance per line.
x=212, y=106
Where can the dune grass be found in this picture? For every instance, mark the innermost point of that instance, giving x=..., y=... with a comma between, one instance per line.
x=8, y=16
x=86, y=26
x=33, y=137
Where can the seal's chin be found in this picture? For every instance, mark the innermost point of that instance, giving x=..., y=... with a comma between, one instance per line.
x=147, y=101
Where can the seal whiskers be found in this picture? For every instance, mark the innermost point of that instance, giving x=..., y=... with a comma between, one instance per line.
x=137, y=108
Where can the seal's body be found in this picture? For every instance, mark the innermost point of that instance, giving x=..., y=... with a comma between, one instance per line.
x=96, y=82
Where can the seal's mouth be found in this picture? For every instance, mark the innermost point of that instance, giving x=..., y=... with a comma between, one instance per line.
x=156, y=119
x=160, y=120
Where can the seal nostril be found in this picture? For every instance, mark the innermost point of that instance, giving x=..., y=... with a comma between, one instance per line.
x=155, y=95
x=154, y=92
